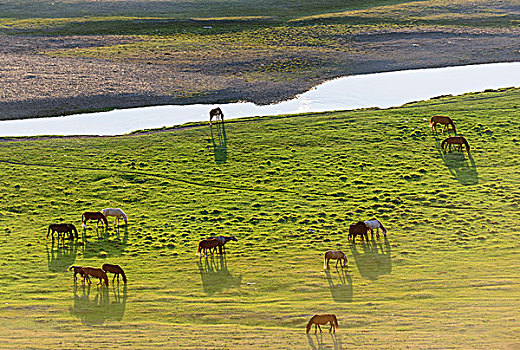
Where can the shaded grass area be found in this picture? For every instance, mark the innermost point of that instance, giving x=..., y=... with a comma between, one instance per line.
x=288, y=187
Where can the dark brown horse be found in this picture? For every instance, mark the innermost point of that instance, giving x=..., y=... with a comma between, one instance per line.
x=93, y=215
x=443, y=120
x=77, y=270
x=116, y=270
x=316, y=320
x=455, y=140
x=359, y=228
x=217, y=114
x=62, y=228
x=209, y=243
x=94, y=272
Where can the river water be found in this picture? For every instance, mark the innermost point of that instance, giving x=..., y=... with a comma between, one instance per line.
x=360, y=91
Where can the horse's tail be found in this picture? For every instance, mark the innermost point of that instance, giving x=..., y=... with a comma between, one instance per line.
x=325, y=262
x=122, y=273
x=83, y=218
x=335, y=320
x=309, y=325
x=48, y=232
x=199, y=249
x=466, y=143
x=453, y=126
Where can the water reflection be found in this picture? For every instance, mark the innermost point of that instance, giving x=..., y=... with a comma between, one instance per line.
x=322, y=341
x=375, y=259
x=215, y=274
x=340, y=284
x=61, y=256
x=462, y=169
x=93, y=305
x=219, y=140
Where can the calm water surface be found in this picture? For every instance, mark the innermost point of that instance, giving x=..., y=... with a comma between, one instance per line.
x=370, y=90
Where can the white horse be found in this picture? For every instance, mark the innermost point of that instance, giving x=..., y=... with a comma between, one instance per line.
x=375, y=224
x=118, y=213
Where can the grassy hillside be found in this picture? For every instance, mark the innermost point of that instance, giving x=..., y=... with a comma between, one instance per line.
x=446, y=276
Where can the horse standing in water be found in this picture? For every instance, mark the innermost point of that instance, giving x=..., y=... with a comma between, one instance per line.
x=116, y=270
x=455, y=140
x=443, y=120
x=359, y=228
x=375, y=224
x=93, y=215
x=118, y=213
x=209, y=243
x=316, y=320
x=94, y=272
x=224, y=240
x=338, y=255
x=62, y=228
x=217, y=114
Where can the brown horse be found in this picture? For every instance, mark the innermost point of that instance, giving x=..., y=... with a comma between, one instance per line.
x=93, y=215
x=217, y=114
x=338, y=255
x=316, y=320
x=94, y=272
x=77, y=270
x=455, y=140
x=62, y=228
x=116, y=270
x=209, y=243
x=443, y=120
x=359, y=228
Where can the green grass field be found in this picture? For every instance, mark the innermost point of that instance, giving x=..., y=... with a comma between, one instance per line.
x=287, y=187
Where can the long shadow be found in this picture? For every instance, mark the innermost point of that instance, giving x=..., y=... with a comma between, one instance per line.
x=462, y=169
x=375, y=259
x=94, y=307
x=219, y=140
x=341, y=290
x=321, y=344
x=113, y=241
x=215, y=275
x=60, y=256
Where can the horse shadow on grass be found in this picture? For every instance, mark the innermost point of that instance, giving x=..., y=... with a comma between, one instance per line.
x=101, y=240
x=316, y=341
x=95, y=305
x=216, y=276
x=462, y=169
x=374, y=260
x=340, y=285
x=219, y=141
x=60, y=255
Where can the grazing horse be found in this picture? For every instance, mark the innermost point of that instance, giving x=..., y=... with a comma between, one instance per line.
x=94, y=272
x=455, y=140
x=375, y=224
x=62, y=228
x=224, y=240
x=443, y=120
x=93, y=215
x=217, y=114
x=316, y=320
x=118, y=213
x=209, y=243
x=116, y=270
x=77, y=270
x=338, y=255
x=359, y=228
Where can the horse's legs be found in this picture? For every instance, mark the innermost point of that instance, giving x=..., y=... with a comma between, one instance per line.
x=320, y=328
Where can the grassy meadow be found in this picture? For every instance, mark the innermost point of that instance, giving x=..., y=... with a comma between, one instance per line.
x=446, y=275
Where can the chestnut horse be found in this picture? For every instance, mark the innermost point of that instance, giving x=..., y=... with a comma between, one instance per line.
x=316, y=320
x=116, y=270
x=455, y=140
x=209, y=243
x=359, y=228
x=217, y=114
x=94, y=272
x=62, y=228
x=77, y=270
x=338, y=255
x=93, y=215
x=443, y=120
